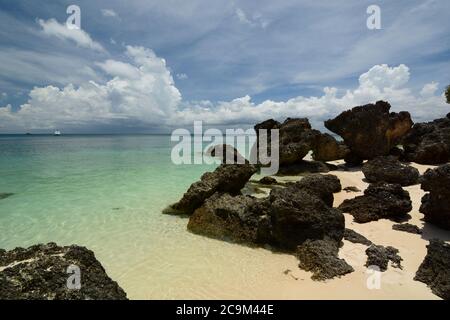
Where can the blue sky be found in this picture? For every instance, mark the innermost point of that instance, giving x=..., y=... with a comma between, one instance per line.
x=224, y=62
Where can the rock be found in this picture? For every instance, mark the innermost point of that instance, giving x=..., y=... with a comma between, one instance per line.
x=320, y=185
x=407, y=227
x=436, y=204
x=241, y=219
x=389, y=169
x=380, y=201
x=435, y=268
x=321, y=258
x=224, y=152
x=298, y=215
x=326, y=148
x=355, y=237
x=303, y=167
x=268, y=180
x=351, y=189
x=380, y=256
x=229, y=178
x=4, y=195
x=41, y=272
x=370, y=130
x=428, y=143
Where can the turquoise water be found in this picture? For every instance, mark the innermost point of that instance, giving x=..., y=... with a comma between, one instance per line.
x=107, y=193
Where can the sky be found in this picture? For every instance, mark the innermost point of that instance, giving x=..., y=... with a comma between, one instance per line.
x=154, y=66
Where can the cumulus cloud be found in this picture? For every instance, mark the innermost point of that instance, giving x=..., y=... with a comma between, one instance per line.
x=82, y=39
x=143, y=91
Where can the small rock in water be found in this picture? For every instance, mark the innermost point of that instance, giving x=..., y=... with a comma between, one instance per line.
x=380, y=256
x=407, y=227
x=4, y=195
x=435, y=268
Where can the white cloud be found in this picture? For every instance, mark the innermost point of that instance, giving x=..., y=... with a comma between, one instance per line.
x=109, y=13
x=256, y=19
x=52, y=27
x=143, y=91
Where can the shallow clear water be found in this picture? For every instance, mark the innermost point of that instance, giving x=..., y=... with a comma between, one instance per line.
x=107, y=193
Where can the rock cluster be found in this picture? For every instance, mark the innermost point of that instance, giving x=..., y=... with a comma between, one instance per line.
x=380, y=201
x=436, y=203
x=390, y=169
x=380, y=256
x=41, y=272
x=435, y=268
x=370, y=130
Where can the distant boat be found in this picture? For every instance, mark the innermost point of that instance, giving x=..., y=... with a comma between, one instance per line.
x=57, y=133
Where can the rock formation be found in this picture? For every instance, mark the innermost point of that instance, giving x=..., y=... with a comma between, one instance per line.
x=389, y=169
x=355, y=237
x=407, y=227
x=41, y=272
x=380, y=200
x=380, y=256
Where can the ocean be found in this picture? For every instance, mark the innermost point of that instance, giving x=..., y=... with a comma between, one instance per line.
x=107, y=192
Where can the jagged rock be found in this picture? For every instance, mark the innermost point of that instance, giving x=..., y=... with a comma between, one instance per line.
x=321, y=258
x=436, y=204
x=224, y=152
x=242, y=219
x=268, y=180
x=321, y=185
x=355, y=237
x=228, y=178
x=435, y=268
x=370, y=130
x=380, y=256
x=41, y=272
x=351, y=189
x=326, y=148
x=380, y=200
x=389, y=169
x=298, y=215
x=428, y=143
x=4, y=195
x=303, y=167
x=407, y=227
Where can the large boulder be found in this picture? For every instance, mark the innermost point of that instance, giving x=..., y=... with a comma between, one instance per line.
x=229, y=178
x=389, y=169
x=241, y=219
x=321, y=258
x=436, y=204
x=435, y=268
x=42, y=272
x=226, y=153
x=327, y=148
x=380, y=201
x=370, y=130
x=298, y=215
x=428, y=143
x=321, y=185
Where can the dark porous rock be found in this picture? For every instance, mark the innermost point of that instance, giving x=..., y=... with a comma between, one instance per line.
x=226, y=153
x=321, y=258
x=326, y=148
x=370, y=130
x=389, y=169
x=355, y=237
x=380, y=201
x=268, y=180
x=4, y=195
x=435, y=268
x=380, y=256
x=351, y=189
x=428, y=143
x=321, y=185
x=303, y=167
x=241, y=219
x=407, y=227
x=229, y=178
x=41, y=272
x=436, y=204
x=298, y=215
